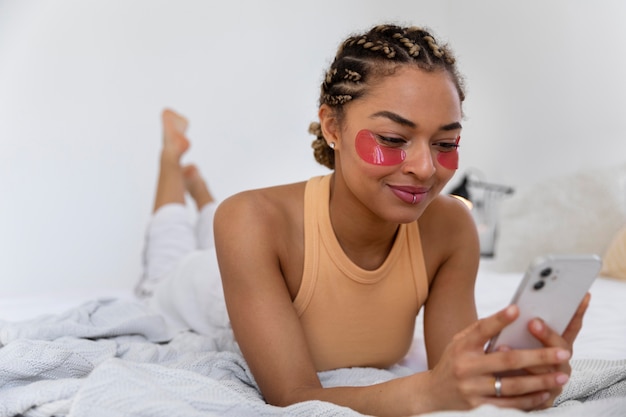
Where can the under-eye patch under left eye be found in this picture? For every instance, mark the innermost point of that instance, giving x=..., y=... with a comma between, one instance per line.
x=450, y=159
x=372, y=152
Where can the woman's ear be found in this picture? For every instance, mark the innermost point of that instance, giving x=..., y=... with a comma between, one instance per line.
x=329, y=124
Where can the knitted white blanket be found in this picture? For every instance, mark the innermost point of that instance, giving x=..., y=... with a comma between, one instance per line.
x=112, y=358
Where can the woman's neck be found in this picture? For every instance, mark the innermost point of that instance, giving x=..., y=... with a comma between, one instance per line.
x=364, y=237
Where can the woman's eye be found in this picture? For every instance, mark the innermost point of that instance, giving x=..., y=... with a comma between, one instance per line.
x=446, y=146
x=392, y=142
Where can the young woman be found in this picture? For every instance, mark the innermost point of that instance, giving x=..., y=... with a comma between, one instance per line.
x=332, y=272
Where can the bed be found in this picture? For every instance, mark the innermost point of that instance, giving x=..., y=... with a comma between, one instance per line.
x=105, y=353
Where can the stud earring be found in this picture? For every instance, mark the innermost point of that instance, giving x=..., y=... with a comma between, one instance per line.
x=332, y=145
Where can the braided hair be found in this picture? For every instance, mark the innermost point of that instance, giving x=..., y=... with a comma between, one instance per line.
x=366, y=57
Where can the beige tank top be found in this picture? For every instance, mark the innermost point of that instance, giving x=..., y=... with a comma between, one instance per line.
x=352, y=316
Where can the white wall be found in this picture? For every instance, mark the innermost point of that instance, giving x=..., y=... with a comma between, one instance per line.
x=82, y=84
x=547, y=86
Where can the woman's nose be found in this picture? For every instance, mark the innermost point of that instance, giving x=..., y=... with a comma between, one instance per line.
x=419, y=162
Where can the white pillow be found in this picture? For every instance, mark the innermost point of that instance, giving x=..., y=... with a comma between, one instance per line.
x=614, y=260
x=578, y=213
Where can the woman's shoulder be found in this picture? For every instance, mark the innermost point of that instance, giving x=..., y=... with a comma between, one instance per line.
x=446, y=213
x=264, y=207
x=447, y=217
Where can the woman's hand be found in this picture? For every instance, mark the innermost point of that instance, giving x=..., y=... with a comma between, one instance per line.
x=465, y=376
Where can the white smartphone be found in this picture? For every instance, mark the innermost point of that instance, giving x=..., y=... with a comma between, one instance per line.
x=551, y=289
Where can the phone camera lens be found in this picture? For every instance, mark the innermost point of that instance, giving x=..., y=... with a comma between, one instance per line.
x=545, y=272
x=539, y=285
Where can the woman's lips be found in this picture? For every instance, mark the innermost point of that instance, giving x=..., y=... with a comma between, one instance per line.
x=410, y=195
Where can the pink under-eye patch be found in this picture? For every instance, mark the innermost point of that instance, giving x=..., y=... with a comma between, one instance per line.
x=450, y=159
x=374, y=153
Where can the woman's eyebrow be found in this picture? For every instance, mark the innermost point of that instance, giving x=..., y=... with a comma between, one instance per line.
x=395, y=118
x=452, y=126
x=406, y=122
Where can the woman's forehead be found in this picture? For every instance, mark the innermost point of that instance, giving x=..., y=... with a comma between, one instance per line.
x=411, y=93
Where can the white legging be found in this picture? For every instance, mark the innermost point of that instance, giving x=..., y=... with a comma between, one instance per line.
x=181, y=277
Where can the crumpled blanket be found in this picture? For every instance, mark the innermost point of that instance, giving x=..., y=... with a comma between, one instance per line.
x=114, y=357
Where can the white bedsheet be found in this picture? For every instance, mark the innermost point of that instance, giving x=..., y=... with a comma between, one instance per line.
x=115, y=357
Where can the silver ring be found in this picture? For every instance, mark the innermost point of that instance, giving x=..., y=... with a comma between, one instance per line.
x=497, y=385
x=414, y=198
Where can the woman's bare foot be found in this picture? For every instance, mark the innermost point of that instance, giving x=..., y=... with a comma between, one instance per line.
x=171, y=183
x=196, y=186
x=175, y=143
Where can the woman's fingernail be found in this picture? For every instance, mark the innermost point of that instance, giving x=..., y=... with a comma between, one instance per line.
x=537, y=325
x=563, y=354
x=510, y=310
x=562, y=379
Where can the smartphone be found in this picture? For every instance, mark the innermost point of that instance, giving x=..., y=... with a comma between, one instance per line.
x=551, y=289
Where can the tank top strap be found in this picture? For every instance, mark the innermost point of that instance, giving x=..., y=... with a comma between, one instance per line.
x=414, y=243
x=315, y=187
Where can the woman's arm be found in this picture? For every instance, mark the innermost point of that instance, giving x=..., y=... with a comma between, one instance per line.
x=450, y=309
x=452, y=254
